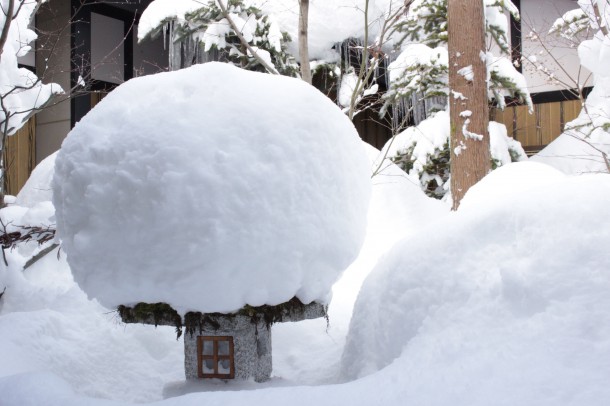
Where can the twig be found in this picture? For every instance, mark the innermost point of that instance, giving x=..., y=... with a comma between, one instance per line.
x=7, y=25
x=39, y=256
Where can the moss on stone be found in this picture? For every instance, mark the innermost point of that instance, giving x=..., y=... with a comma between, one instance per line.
x=164, y=314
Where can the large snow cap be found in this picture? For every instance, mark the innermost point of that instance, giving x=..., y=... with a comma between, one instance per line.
x=210, y=188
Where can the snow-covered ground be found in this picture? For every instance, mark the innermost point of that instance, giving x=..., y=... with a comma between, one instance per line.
x=504, y=302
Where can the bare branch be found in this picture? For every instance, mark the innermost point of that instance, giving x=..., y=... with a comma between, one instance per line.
x=7, y=25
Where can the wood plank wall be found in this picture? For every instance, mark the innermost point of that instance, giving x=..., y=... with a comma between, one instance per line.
x=20, y=157
x=372, y=129
x=538, y=129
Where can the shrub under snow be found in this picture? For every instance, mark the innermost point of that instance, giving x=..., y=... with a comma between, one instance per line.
x=504, y=302
x=210, y=188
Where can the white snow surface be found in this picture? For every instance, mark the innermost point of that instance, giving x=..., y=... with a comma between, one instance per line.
x=503, y=302
x=37, y=189
x=83, y=353
x=478, y=307
x=210, y=188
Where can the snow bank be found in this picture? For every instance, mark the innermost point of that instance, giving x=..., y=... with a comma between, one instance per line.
x=48, y=324
x=498, y=313
x=398, y=208
x=504, y=302
x=49, y=328
x=38, y=186
x=211, y=188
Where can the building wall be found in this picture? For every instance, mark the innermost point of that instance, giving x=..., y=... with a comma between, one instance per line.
x=19, y=157
x=53, y=65
x=558, y=56
x=535, y=131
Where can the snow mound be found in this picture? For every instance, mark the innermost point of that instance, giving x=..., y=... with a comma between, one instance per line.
x=37, y=189
x=503, y=300
x=210, y=188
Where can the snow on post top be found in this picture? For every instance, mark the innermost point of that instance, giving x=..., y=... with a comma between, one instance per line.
x=210, y=188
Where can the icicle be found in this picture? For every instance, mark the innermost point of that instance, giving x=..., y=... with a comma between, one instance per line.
x=175, y=48
x=341, y=47
x=170, y=34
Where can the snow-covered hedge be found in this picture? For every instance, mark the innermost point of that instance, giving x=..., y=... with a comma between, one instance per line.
x=210, y=188
x=503, y=302
x=423, y=152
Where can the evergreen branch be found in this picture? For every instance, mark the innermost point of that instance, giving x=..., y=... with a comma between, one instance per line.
x=245, y=43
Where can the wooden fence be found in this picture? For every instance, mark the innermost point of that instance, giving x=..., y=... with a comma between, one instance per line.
x=20, y=157
x=534, y=131
x=538, y=129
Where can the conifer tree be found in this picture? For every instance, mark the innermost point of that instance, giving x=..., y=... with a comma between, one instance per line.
x=421, y=73
x=208, y=29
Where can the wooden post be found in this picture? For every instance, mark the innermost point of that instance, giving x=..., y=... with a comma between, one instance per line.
x=303, y=46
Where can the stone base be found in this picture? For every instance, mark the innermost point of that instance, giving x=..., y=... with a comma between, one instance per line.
x=252, y=346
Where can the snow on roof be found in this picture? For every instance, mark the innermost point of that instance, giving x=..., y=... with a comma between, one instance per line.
x=210, y=188
x=160, y=11
x=330, y=22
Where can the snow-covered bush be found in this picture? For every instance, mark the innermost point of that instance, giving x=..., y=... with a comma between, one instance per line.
x=421, y=69
x=584, y=146
x=423, y=152
x=202, y=28
x=487, y=303
x=421, y=72
x=209, y=188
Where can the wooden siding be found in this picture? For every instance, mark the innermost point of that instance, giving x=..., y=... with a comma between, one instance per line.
x=372, y=129
x=20, y=158
x=537, y=130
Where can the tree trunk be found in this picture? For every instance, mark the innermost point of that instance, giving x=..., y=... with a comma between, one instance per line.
x=303, y=46
x=469, y=111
